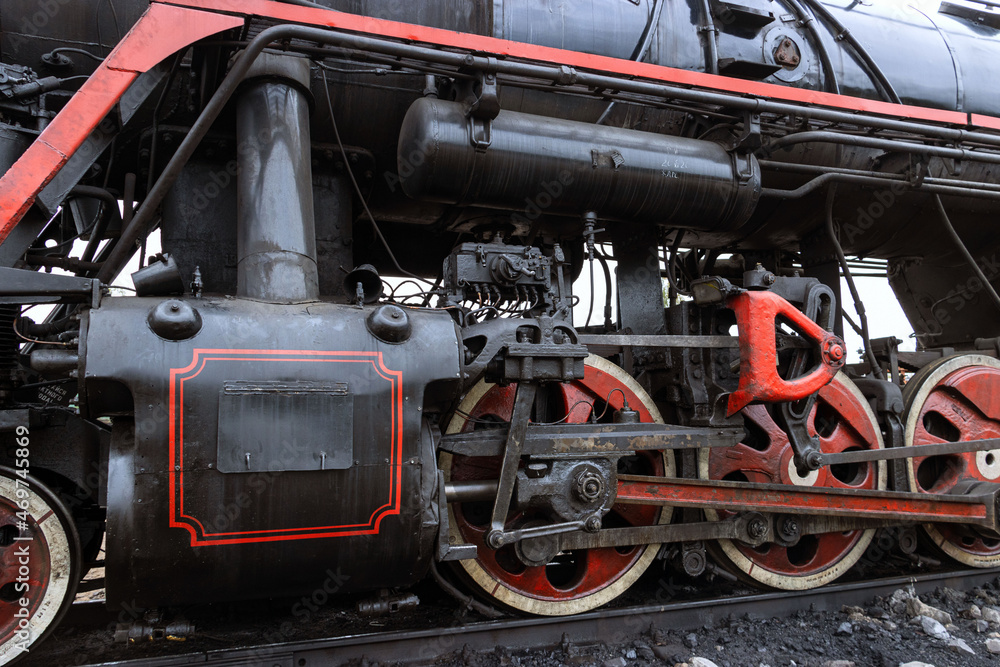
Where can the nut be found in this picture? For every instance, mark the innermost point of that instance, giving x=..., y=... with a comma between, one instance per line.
x=589, y=486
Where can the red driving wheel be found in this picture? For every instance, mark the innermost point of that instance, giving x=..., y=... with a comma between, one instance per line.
x=843, y=420
x=573, y=581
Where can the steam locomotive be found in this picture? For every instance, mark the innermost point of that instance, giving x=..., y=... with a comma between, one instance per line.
x=367, y=349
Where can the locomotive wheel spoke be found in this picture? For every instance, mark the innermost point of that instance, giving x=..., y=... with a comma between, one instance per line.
x=573, y=581
x=954, y=400
x=842, y=420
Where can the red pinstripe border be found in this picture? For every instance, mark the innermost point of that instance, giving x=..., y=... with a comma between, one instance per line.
x=200, y=536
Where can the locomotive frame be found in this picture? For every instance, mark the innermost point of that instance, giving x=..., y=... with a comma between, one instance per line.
x=470, y=412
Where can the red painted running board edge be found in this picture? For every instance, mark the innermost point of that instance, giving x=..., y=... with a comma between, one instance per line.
x=160, y=32
x=629, y=68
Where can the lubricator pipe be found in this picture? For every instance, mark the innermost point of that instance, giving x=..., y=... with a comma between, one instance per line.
x=549, y=165
x=276, y=240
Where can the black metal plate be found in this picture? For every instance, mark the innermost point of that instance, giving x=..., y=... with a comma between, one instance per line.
x=257, y=418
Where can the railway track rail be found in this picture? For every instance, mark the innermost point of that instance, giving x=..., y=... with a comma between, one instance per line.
x=425, y=646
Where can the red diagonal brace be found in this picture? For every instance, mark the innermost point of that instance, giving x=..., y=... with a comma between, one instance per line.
x=756, y=313
x=160, y=32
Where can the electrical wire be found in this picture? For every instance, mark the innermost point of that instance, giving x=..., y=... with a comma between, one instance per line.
x=467, y=600
x=354, y=181
x=82, y=52
x=32, y=340
x=607, y=290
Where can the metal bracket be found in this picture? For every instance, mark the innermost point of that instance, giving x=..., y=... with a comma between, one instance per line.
x=590, y=440
x=756, y=313
x=483, y=110
x=750, y=138
x=752, y=528
x=445, y=549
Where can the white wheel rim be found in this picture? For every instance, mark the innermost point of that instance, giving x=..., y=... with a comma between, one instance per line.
x=57, y=544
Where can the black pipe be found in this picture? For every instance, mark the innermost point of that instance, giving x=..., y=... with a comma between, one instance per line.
x=124, y=248
x=569, y=75
x=276, y=229
x=890, y=145
x=836, y=177
x=708, y=29
x=843, y=34
x=822, y=169
x=641, y=47
x=111, y=211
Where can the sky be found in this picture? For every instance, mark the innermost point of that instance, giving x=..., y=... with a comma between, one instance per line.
x=885, y=317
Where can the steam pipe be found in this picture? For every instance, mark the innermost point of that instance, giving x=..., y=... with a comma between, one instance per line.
x=276, y=238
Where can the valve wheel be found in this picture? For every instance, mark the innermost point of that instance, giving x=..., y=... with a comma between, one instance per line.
x=39, y=563
x=575, y=581
x=843, y=420
x=951, y=400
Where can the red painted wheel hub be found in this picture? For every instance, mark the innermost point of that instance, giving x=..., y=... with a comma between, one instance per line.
x=575, y=574
x=765, y=456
